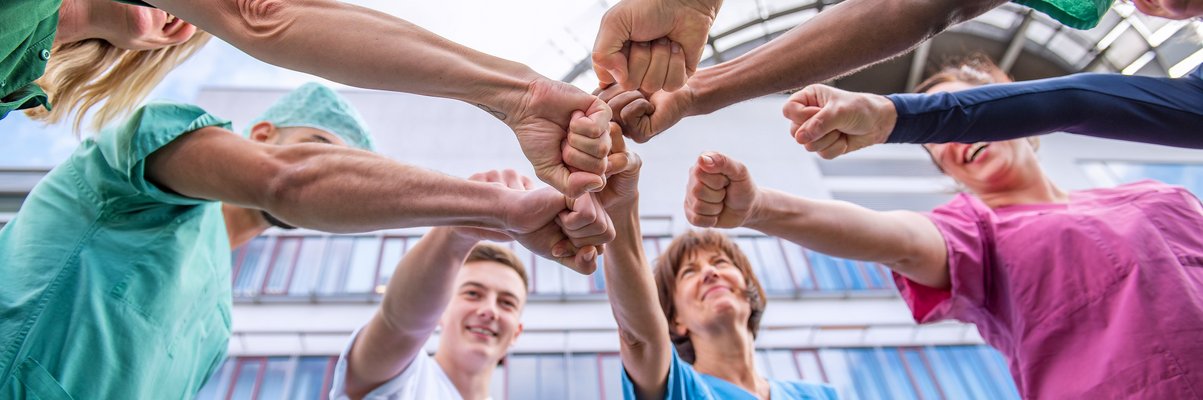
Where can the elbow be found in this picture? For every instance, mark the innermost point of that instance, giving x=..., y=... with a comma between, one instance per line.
x=260, y=21
x=287, y=177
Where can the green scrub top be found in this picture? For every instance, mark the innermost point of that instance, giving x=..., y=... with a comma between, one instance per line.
x=1077, y=14
x=113, y=288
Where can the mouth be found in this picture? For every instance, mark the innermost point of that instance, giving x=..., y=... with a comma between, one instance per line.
x=172, y=25
x=974, y=151
x=714, y=289
x=483, y=332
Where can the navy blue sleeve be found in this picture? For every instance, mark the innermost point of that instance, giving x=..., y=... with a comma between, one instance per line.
x=1166, y=111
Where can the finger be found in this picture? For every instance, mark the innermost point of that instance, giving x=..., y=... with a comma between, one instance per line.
x=701, y=221
x=637, y=64
x=588, y=242
x=692, y=43
x=704, y=193
x=717, y=163
x=593, y=147
x=527, y=183
x=584, y=162
x=823, y=142
x=617, y=163
x=676, y=76
x=608, y=92
x=580, y=182
x=609, y=63
x=713, y=181
x=595, y=124
x=585, y=261
x=617, y=143
x=797, y=112
x=512, y=179
x=621, y=101
x=804, y=115
x=705, y=208
x=839, y=147
x=826, y=120
x=653, y=79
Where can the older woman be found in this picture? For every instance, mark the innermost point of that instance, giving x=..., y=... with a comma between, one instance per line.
x=696, y=341
x=1089, y=294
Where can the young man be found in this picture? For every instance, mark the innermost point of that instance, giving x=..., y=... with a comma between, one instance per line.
x=473, y=292
x=117, y=267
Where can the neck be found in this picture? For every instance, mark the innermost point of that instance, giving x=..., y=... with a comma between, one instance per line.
x=471, y=381
x=1039, y=190
x=729, y=354
x=242, y=224
x=74, y=22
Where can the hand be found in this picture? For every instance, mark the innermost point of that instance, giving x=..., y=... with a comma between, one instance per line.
x=834, y=122
x=587, y=227
x=621, y=52
x=622, y=187
x=643, y=118
x=507, y=178
x=563, y=132
x=720, y=193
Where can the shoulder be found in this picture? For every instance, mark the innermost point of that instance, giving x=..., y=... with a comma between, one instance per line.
x=806, y=390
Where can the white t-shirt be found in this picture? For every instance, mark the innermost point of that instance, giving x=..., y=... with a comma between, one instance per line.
x=423, y=379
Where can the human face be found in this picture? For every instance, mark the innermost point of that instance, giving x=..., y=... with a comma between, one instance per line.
x=481, y=321
x=138, y=28
x=1172, y=9
x=710, y=291
x=302, y=134
x=985, y=167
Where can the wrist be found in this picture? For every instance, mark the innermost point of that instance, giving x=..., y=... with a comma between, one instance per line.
x=505, y=92
x=887, y=118
x=761, y=210
x=456, y=240
x=702, y=86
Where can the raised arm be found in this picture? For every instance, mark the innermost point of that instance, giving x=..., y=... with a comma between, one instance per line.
x=721, y=194
x=1134, y=108
x=339, y=189
x=366, y=48
x=839, y=40
x=417, y=294
x=644, y=344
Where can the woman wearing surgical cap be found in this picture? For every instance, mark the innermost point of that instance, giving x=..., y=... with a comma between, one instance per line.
x=116, y=270
x=1089, y=294
x=77, y=43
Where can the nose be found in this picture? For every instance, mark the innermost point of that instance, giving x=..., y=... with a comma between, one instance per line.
x=709, y=274
x=487, y=312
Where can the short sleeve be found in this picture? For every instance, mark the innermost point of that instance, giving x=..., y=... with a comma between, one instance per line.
x=683, y=382
x=396, y=388
x=1077, y=14
x=125, y=147
x=961, y=223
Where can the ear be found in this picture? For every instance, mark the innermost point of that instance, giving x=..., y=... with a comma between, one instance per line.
x=264, y=132
x=679, y=328
x=517, y=333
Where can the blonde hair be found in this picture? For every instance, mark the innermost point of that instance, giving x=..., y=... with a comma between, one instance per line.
x=83, y=74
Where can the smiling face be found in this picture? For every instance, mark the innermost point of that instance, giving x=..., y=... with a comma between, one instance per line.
x=481, y=321
x=985, y=167
x=138, y=28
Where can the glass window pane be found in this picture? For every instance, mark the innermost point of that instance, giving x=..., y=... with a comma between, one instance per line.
x=997, y=366
x=497, y=384
x=305, y=274
x=950, y=378
x=528, y=260
x=308, y=379
x=798, y=264
x=897, y=379
x=521, y=373
x=575, y=283
x=778, y=279
x=218, y=383
x=364, y=259
x=651, y=247
x=597, y=281
x=390, y=255
x=854, y=275
x=547, y=276
x=553, y=375
x=250, y=270
x=282, y=263
x=338, y=255
x=583, y=377
x=828, y=271
x=867, y=375
x=839, y=373
x=782, y=364
x=808, y=365
x=244, y=384
x=921, y=374
x=611, y=366
x=272, y=387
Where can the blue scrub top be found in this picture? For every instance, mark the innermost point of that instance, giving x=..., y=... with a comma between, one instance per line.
x=685, y=383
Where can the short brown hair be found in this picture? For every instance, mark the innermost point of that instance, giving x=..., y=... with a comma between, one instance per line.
x=500, y=255
x=974, y=69
x=669, y=263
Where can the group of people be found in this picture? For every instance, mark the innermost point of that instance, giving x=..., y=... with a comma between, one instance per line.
x=116, y=274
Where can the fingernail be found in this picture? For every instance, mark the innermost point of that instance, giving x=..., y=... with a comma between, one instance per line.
x=643, y=44
x=662, y=41
x=557, y=251
x=590, y=256
x=709, y=161
x=676, y=48
x=593, y=187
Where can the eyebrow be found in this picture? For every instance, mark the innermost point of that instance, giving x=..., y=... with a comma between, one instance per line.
x=321, y=138
x=481, y=286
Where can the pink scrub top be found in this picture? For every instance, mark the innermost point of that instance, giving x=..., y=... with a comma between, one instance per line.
x=1100, y=298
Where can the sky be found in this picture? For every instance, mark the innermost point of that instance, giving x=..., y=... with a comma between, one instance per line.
x=549, y=35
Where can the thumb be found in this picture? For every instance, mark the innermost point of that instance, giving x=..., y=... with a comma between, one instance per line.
x=716, y=163
x=824, y=121
x=609, y=62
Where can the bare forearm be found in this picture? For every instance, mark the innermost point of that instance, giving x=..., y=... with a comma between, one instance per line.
x=903, y=240
x=840, y=40
x=419, y=290
x=643, y=335
x=359, y=47
x=343, y=190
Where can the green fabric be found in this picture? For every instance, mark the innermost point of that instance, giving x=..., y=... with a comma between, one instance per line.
x=111, y=287
x=315, y=106
x=1077, y=14
x=26, y=34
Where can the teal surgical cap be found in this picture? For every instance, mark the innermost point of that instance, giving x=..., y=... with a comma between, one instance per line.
x=315, y=106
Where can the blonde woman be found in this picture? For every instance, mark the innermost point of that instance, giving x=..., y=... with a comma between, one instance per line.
x=61, y=58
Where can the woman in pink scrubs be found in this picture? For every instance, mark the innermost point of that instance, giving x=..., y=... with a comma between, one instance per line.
x=1092, y=294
